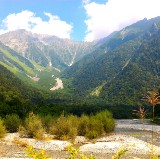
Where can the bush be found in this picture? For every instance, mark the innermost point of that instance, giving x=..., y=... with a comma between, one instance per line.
x=83, y=125
x=105, y=117
x=2, y=129
x=48, y=121
x=90, y=127
x=12, y=122
x=65, y=127
x=22, y=131
x=95, y=128
x=32, y=128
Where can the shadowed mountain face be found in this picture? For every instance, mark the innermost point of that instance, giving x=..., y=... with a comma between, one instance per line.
x=46, y=50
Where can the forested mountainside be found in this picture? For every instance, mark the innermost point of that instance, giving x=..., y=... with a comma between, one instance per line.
x=112, y=42
x=128, y=66
x=46, y=50
x=15, y=96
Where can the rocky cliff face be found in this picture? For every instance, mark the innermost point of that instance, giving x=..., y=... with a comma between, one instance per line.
x=46, y=50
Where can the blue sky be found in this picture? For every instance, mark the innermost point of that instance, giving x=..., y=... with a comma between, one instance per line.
x=71, y=11
x=75, y=19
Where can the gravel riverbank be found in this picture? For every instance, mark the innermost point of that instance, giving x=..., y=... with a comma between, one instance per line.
x=129, y=134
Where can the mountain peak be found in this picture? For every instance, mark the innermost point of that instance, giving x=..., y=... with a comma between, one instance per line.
x=46, y=49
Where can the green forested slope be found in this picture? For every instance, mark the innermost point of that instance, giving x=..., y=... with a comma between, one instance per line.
x=124, y=73
x=15, y=96
x=110, y=43
x=141, y=74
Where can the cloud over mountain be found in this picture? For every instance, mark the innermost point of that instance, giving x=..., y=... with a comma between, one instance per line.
x=29, y=21
x=114, y=15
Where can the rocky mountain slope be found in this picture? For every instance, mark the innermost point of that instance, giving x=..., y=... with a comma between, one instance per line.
x=38, y=59
x=46, y=50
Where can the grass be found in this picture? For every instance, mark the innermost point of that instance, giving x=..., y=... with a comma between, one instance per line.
x=45, y=82
x=10, y=68
x=37, y=66
x=20, y=142
x=25, y=67
x=2, y=129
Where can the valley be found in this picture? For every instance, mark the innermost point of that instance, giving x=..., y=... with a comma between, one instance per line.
x=79, y=79
x=55, y=91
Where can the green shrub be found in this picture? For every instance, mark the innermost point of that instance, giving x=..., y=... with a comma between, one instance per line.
x=91, y=134
x=90, y=127
x=22, y=131
x=83, y=125
x=96, y=125
x=95, y=128
x=2, y=129
x=32, y=127
x=107, y=120
x=48, y=121
x=12, y=122
x=65, y=127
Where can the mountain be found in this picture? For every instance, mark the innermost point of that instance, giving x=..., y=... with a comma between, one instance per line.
x=46, y=50
x=37, y=59
x=27, y=70
x=118, y=69
x=110, y=43
x=122, y=68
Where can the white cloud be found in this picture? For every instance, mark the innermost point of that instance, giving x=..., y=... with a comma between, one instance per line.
x=29, y=21
x=114, y=15
x=86, y=1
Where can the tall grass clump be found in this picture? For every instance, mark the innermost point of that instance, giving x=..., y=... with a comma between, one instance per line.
x=65, y=127
x=32, y=127
x=2, y=129
x=12, y=122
